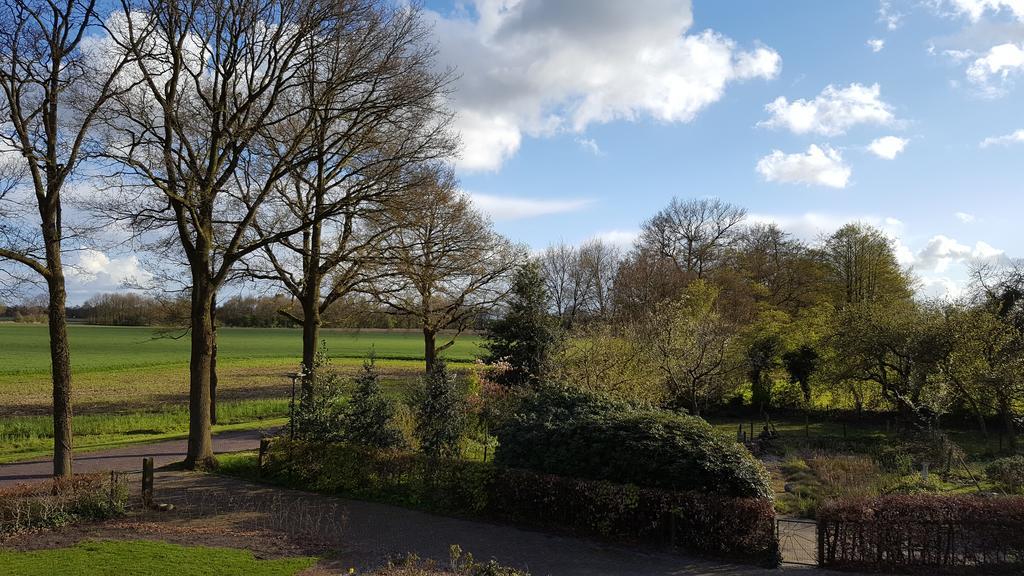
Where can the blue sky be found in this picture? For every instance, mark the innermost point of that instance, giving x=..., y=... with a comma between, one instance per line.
x=596, y=155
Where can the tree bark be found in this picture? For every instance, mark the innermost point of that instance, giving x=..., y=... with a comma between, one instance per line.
x=310, y=332
x=200, y=439
x=60, y=363
x=429, y=347
x=213, y=362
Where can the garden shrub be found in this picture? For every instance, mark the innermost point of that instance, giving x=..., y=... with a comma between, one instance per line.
x=894, y=460
x=577, y=434
x=903, y=532
x=440, y=412
x=742, y=528
x=320, y=409
x=369, y=417
x=1007, y=473
x=60, y=503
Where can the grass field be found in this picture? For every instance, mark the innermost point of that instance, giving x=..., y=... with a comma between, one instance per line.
x=131, y=383
x=146, y=559
x=127, y=369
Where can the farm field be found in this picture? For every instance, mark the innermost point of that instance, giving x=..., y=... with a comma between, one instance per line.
x=127, y=369
x=131, y=383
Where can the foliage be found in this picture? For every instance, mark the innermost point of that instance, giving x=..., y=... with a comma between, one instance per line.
x=369, y=417
x=801, y=364
x=460, y=564
x=742, y=528
x=60, y=502
x=440, y=412
x=525, y=336
x=894, y=460
x=576, y=434
x=690, y=343
x=610, y=360
x=899, y=532
x=1007, y=473
x=762, y=357
x=143, y=558
x=319, y=414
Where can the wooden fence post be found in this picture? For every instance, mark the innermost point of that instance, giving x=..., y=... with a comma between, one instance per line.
x=147, y=482
x=262, y=459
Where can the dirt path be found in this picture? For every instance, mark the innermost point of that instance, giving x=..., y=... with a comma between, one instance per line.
x=128, y=457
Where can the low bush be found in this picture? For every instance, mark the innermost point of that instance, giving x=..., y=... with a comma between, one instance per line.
x=1007, y=473
x=582, y=435
x=60, y=502
x=894, y=460
x=901, y=532
x=741, y=528
x=461, y=564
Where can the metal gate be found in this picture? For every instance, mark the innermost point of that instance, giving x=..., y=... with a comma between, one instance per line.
x=798, y=541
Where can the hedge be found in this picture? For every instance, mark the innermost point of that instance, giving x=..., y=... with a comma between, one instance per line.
x=960, y=534
x=740, y=528
x=572, y=433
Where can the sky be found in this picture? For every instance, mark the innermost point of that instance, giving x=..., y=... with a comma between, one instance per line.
x=581, y=118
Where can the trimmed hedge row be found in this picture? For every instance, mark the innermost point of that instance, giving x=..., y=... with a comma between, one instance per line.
x=569, y=432
x=906, y=532
x=741, y=528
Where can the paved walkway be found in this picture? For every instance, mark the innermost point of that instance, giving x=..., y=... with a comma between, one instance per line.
x=128, y=457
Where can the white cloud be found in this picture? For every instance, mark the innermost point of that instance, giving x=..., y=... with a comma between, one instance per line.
x=942, y=251
x=1011, y=138
x=965, y=217
x=975, y=9
x=892, y=19
x=992, y=73
x=832, y=112
x=876, y=44
x=516, y=208
x=818, y=166
x=590, y=145
x=621, y=238
x=97, y=271
x=940, y=287
x=888, y=147
x=812, y=225
x=534, y=68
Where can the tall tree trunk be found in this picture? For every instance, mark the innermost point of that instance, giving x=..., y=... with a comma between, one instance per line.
x=60, y=362
x=310, y=334
x=429, y=347
x=213, y=362
x=200, y=440
x=1006, y=411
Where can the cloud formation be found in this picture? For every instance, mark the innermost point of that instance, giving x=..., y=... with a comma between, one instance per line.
x=975, y=9
x=516, y=208
x=528, y=67
x=832, y=112
x=992, y=74
x=941, y=251
x=818, y=166
x=965, y=217
x=888, y=147
x=1014, y=137
x=876, y=44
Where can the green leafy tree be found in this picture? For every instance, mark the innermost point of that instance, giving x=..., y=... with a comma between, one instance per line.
x=801, y=364
x=762, y=358
x=369, y=417
x=319, y=413
x=525, y=336
x=440, y=412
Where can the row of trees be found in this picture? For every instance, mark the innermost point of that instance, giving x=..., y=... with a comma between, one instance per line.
x=300, y=142
x=707, y=310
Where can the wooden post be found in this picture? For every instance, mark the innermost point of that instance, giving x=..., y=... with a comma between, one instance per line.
x=261, y=461
x=147, y=482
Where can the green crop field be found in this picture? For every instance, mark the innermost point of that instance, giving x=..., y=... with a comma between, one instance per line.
x=131, y=383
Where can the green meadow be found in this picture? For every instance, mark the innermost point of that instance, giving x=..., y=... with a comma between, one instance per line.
x=131, y=383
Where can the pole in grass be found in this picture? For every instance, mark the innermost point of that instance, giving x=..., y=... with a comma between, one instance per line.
x=291, y=406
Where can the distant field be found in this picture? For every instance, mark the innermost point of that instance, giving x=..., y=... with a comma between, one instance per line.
x=136, y=368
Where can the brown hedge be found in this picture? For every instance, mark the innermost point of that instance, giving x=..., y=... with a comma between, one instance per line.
x=957, y=534
x=741, y=528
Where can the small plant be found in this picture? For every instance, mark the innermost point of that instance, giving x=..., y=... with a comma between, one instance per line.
x=369, y=417
x=894, y=460
x=1007, y=473
x=440, y=412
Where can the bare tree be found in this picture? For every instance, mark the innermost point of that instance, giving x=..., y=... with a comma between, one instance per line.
x=380, y=118
x=693, y=234
x=51, y=97
x=447, y=266
x=201, y=147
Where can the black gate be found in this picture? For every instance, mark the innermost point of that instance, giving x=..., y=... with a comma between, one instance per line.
x=798, y=541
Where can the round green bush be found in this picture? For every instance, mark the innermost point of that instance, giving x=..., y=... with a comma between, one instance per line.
x=894, y=460
x=1007, y=473
x=571, y=433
